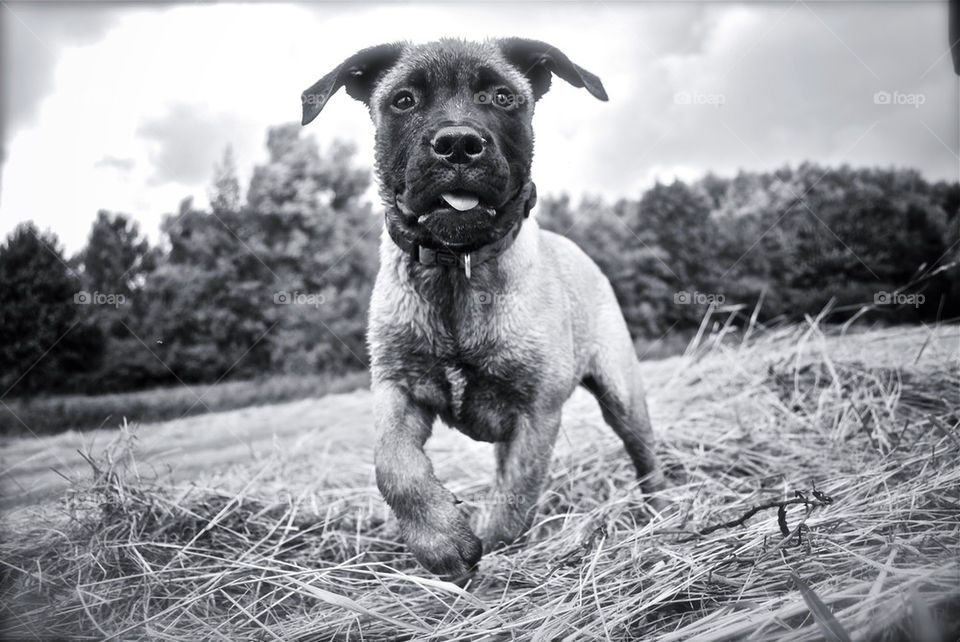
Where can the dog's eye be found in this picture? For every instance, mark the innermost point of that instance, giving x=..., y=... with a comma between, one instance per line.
x=404, y=100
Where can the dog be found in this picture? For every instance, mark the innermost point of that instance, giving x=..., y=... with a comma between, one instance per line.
x=477, y=316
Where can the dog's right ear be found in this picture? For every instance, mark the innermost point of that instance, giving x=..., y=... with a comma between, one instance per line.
x=358, y=73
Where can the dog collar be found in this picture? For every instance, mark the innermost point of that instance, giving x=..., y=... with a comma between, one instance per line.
x=466, y=260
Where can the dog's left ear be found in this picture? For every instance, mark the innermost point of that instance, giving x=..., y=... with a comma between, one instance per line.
x=358, y=73
x=538, y=61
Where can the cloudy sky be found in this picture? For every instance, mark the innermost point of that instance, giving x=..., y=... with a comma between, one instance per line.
x=127, y=108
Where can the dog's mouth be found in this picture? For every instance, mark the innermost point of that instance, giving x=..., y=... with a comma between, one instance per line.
x=457, y=202
x=453, y=215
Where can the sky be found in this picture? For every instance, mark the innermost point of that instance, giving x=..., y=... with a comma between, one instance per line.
x=128, y=107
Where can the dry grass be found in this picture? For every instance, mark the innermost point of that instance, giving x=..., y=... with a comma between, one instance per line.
x=864, y=427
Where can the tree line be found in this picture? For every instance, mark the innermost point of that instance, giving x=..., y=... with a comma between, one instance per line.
x=278, y=280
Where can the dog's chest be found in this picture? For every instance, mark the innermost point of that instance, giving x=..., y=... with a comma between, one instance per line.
x=473, y=351
x=477, y=369
x=482, y=404
x=490, y=374
x=457, y=385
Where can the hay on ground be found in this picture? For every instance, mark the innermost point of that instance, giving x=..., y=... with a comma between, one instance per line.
x=815, y=493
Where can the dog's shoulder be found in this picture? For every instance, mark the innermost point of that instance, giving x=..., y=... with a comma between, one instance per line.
x=562, y=256
x=560, y=244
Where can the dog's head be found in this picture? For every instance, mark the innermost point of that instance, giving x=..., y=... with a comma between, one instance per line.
x=454, y=142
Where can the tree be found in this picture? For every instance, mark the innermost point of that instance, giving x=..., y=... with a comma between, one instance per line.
x=116, y=257
x=225, y=191
x=44, y=335
x=676, y=220
x=854, y=233
x=298, y=180
x=319, y=241
x=203, y=311
x=209, y=308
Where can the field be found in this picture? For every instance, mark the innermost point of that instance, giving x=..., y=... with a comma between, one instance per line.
x=59, y=413
x=814, y=494
x=53, y=414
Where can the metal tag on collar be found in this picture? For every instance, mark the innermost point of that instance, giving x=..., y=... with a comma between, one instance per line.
x=466, y=265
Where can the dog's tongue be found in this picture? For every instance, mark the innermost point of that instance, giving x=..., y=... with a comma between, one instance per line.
x=461, y=201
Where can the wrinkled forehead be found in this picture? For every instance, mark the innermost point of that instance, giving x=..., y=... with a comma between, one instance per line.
x=451, y=64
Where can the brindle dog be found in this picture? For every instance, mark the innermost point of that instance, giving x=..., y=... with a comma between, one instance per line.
x=477, y=316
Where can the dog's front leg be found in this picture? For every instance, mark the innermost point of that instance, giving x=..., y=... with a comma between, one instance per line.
x=522, y=464
x=432, y=523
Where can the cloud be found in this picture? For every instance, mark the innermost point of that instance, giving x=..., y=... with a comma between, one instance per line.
x=112, y=162
x=131, y=107
x=185, y=142
x=779, y=84
x=34, y=37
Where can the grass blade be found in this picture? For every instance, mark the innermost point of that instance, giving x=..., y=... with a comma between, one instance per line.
x=832, y=629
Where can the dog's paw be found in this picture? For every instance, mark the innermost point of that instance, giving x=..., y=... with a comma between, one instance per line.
x=445, y=545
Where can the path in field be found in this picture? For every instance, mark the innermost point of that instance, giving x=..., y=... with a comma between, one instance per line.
x=317, y=444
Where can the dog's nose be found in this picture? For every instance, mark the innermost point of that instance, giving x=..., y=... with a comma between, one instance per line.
x=459, y=144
